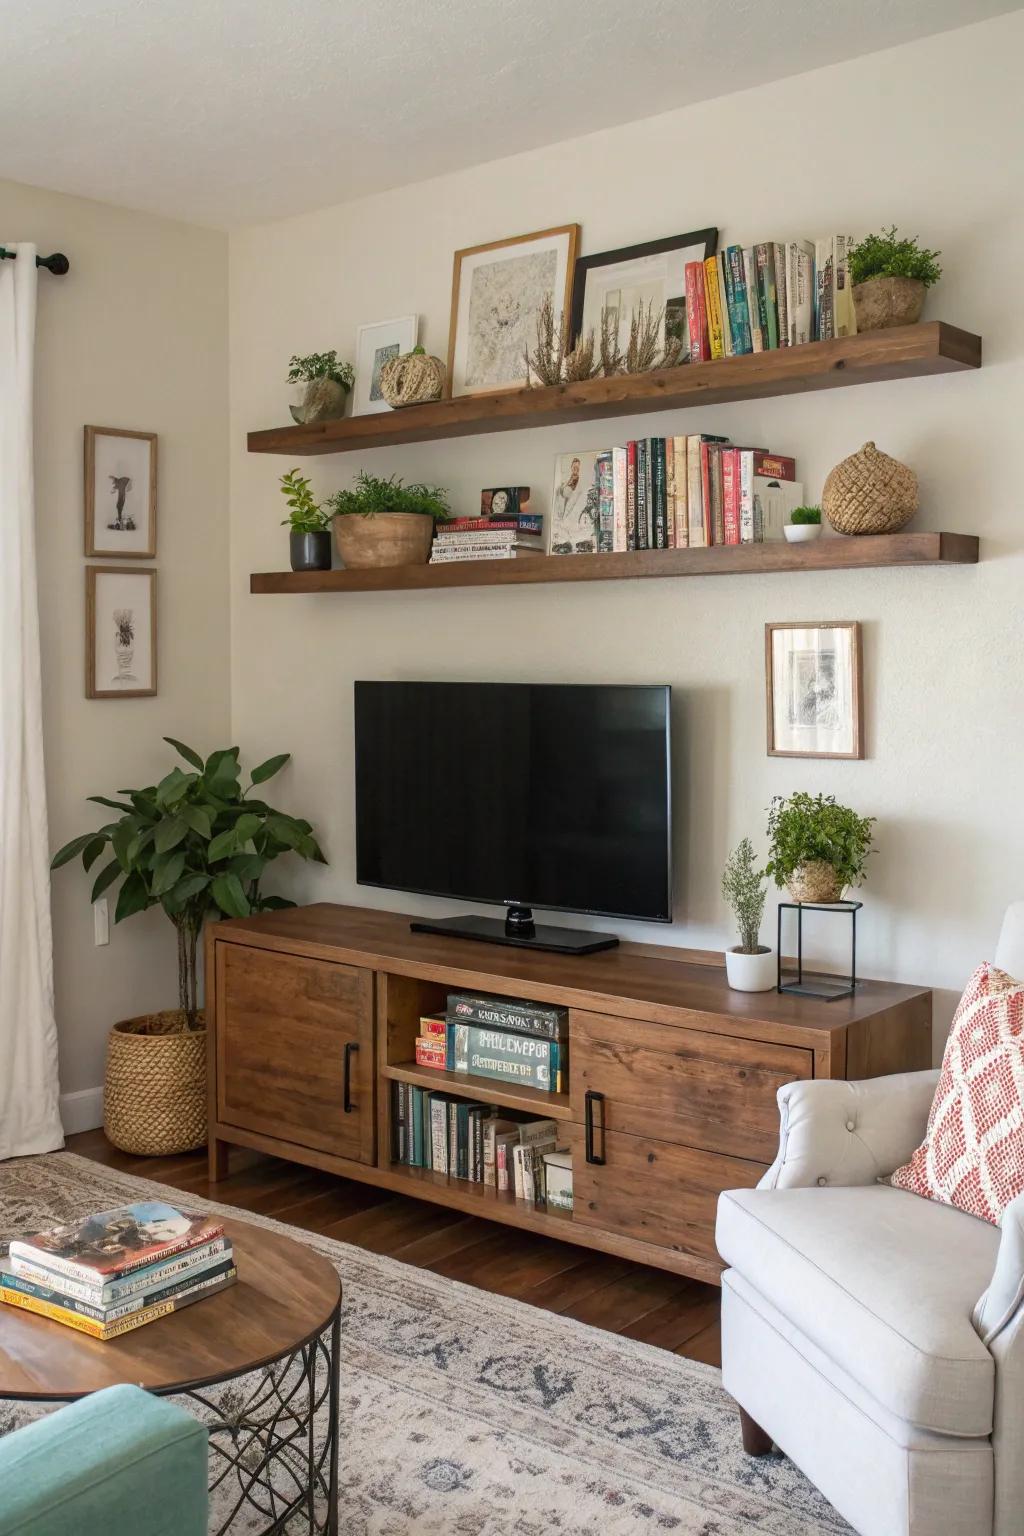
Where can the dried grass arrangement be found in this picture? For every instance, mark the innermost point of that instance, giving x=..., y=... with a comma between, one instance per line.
x=548, y=362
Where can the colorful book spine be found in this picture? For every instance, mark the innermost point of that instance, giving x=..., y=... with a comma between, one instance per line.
x=438, y=1133
x=757, y=342
x=114, y=1330
x=705, y=493
x=696, y=312
x=619, y=526
x=525, y=522
x=845, y=316
x=643, y=485
x=659, y=494
x=42, y=1259
x=507, y=1057
x=739, y=318
x=681, y=532
x=213, y=1268
x=730, y=495
x=824, y=289
x=746, y=495
x=116, y=1290
x=631, y=457
x=766, y=300
x=434, y=1024
x=694, y=494
x=722, y=264
x=605, y=505
x=714, y=311
x=717, y=495
x=431, y=1052
x=800, y=291
x=781, y=292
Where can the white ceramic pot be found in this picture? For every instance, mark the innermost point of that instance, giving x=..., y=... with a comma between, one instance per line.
x=751, y=973
x=801, y=533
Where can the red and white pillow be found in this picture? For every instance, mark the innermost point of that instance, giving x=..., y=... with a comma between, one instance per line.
x=972, y=1155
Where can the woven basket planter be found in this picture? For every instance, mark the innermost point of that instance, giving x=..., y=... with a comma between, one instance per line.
x=869, y=493
x=814, y=880
x=154, y=1094
x=412, y=379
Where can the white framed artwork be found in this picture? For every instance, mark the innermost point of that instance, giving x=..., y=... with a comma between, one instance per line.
x=377, y=344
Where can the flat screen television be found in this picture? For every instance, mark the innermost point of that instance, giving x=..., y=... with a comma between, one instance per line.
x=519, y=795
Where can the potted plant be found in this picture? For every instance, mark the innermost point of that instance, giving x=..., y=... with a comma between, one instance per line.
x=818, y=848
x=309, y=539
x=386, y=522
x=196, y=844
x=889, y=278
x=804, y=525
x=325, y=385
x=749, y=965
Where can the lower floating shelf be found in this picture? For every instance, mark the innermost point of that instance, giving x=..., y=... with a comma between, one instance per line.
x=825, y=554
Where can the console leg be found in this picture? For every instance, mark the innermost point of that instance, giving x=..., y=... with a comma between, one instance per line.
x=755, y=1441
x=218, y=1160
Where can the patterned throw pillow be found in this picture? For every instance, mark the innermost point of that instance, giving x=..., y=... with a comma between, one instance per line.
x=972, y=1155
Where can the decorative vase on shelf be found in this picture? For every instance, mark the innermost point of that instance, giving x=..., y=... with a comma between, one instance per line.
x=882, y=302
x=869, y=493
x=318, y=400
x=415, y=378
x=387, y=538
x=815, y=881
x=751, y=973
x=310, y=551
x=801, y=533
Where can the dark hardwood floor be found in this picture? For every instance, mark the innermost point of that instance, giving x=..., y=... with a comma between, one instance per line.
x=631, y=1299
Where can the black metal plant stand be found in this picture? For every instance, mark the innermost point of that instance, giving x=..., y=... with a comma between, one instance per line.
x=825, y=987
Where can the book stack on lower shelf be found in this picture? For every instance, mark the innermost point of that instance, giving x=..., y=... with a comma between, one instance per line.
x=516, y=1043
x=118, y=1270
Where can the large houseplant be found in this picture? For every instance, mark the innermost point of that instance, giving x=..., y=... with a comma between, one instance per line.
x=197, y=845
x=888, y=278
x=817, y=847
x=386, y=522
x=749, y=965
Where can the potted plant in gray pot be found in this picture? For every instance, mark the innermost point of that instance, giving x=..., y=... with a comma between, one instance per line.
x=749, y=965
x=889, y=278
x=323, y=387
x=309, y=525
x=386, y=522
x=818, y=848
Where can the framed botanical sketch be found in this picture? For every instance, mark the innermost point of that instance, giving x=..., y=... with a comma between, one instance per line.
x=120, y=493
x=120, y=632
x=813, y=678
x=649, y=274
x=376, y=345
x=497, y=293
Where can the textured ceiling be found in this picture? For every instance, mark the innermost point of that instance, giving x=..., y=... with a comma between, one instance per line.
x=233, y=111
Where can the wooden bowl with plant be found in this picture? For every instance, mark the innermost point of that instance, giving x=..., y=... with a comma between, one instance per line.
x=889, y=279
x=386, y=522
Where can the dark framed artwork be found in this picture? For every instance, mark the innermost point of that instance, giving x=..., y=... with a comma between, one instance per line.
x=813, y=683
x=652, y=273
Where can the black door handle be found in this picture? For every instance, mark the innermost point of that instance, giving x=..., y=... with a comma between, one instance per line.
x=346, y=1084
x=590, y=1098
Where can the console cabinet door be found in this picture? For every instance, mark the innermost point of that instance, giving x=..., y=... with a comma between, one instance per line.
x=285, y=1027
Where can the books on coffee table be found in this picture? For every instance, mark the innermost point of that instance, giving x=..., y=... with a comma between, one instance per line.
x=116, y=1270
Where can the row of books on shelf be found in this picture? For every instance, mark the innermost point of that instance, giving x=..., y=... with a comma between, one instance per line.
x=773, y=294
x=118, y=1270
x=523, y=1044
x=475, y=1142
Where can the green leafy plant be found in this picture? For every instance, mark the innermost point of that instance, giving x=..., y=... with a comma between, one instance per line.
x=320, y=365
x=306, y=515
x=371, y=495
x=744, y=888
x=884, y=255
x=807, y=827
x=196, y=844
x=805, y=515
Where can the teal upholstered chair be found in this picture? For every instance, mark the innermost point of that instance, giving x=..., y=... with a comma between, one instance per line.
x=118, y=1463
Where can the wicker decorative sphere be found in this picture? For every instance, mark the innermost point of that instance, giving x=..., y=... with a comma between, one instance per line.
x=412, y=379
x=869, y=493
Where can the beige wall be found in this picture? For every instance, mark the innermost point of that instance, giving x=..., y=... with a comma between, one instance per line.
x=134, y=336
x=928, y=136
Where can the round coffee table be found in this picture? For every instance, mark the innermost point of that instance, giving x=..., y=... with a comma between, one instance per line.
x=281, y=1318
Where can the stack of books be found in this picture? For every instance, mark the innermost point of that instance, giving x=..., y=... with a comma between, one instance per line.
x=120, y=1269
x=773, y=294
x=512, y=1042
x=488, y=538
x=477, y=1142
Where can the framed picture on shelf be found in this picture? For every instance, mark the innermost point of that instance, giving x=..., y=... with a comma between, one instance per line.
x=120, y=493
x=813, y=681
x=120, y=633
x=649, y=274
x=574, y=521
x=497, y=293
x=376, y=345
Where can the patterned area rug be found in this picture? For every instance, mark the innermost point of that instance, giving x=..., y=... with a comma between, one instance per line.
x=469, y=1414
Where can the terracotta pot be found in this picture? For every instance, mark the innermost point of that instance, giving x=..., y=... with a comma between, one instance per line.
x=883, y=302
x=154, y=1091
x=390, y=538
x=751, y=973
x=815, y=881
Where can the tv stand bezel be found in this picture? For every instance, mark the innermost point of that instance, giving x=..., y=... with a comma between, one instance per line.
x=518, y=930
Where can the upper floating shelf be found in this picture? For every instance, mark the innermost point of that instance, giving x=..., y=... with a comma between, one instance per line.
x=907, y=352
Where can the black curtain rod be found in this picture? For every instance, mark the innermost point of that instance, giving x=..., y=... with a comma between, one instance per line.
x=58, y=263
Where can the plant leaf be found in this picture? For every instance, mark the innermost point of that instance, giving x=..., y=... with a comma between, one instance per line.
x=167, y=871
x=133, y=897
x=187, y=753
x=139, y=841
x=198, y=818
x=223, y=844
x=92, y=851
x=170, y=833
x=190, y=885
x=222, y=768
x=247, y=866
x=228, y=894
x=112, y=805
x=246, y=826
x=173, y=786
x=71, y=850
x=105, y=878
x=267, y=770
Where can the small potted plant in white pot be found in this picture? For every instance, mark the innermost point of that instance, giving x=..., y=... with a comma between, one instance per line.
x=889, y=278
x=309, y=525
x=818, y=848
x=749, y=965
x=322, y=387
x=804, y=525
x=386, y=522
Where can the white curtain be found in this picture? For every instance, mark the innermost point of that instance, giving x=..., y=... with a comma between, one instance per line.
x=29, y=1091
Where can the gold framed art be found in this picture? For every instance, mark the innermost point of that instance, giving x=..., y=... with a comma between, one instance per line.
x=497, y=293
x=120, y=632
x=813, y=683
x=120, y=493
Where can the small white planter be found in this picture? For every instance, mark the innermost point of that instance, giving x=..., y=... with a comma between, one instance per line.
x=801, y=533
x=751, y=973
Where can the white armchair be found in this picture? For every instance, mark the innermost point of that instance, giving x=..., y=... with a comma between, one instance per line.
x=877, y=1338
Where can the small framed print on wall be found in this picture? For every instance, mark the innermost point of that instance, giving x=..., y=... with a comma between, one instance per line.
x=120, y=493
x=813, y=682
x=120, y=633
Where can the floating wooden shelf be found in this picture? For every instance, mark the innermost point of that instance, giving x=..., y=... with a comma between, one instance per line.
x=827, y=554
x=907, y=352
x=533, y=1101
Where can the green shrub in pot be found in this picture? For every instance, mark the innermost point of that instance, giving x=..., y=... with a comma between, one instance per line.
x=889, y=277
x=386, y=522
x=817, y=846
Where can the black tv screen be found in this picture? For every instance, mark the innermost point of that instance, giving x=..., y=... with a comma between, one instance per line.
x=540, y=795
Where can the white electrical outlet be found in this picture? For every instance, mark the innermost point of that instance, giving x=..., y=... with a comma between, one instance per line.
x=101, y=921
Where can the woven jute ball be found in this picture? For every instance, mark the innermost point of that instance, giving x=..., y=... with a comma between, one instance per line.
x=814, y=880
x=154, y=1093
x=412, y=379
x=869, y=493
